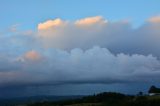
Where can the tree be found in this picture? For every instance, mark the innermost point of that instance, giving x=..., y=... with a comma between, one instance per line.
x=140, y=93
x=154, y=89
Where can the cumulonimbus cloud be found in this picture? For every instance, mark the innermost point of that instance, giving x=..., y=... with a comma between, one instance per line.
x=63, y=52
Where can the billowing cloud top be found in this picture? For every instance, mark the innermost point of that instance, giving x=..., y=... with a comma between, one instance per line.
x=89, y=50
x=91, y=21
x=50, y=23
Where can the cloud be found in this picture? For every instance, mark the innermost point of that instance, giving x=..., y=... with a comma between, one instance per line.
x=50, y=24
x=155, y=19
x=95, y=65
x=64, y=52
x=91, y=21
x=117, y=36
x=32, y=55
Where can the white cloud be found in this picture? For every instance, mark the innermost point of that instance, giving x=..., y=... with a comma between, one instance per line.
x=124, y=58
x=95, y=65
x=91, y=21
x=51, y=24
x=117, y=36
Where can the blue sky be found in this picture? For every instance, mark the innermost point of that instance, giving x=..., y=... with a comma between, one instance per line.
x=28, y=13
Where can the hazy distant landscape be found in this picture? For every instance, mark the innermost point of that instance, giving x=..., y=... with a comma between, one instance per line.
x=34, y=99
x=101, y=99
x=152, y=98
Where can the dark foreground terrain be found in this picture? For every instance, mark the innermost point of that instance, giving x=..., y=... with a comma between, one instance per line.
x=106, y=99
x=102, y=99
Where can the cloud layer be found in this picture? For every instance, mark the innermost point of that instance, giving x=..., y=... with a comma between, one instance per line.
x=89, y=50
x=95, y=65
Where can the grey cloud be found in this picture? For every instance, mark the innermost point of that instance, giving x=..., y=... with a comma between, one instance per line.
x=95, y=65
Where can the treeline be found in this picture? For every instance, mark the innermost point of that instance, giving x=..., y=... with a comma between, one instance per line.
x=154, y=89
x=107, y=99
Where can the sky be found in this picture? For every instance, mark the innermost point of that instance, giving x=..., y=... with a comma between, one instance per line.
x=71, y=47
x=28, y=12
